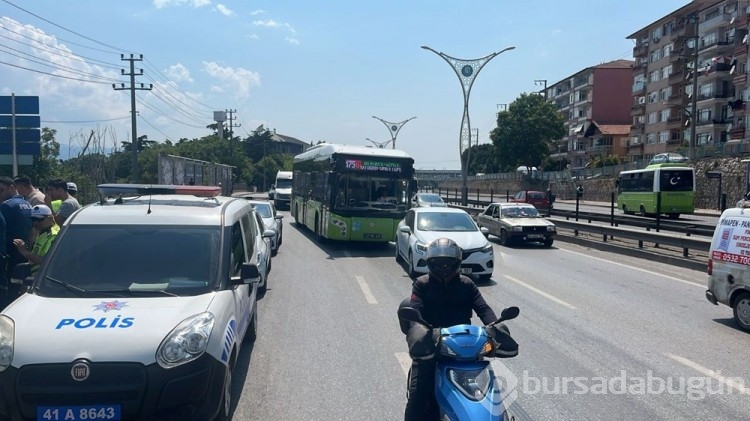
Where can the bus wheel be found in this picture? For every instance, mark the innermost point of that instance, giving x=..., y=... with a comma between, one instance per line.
x=643, y=211
x=318, y=235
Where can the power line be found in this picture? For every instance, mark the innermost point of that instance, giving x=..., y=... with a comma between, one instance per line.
x=154, y=127
x=67, y=53
x=52, y=74
x=53, y=64
x=64, y=28
x=84, y=121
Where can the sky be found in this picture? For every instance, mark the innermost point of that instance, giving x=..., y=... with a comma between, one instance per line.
x=312, y=70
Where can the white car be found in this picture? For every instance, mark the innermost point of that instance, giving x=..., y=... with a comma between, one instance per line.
x=427, y=199
x=138, y=311
x=420, y=226
x=271, y=221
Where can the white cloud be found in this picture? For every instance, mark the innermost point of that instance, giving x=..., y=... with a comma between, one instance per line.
x=257, y=12
x=239, y=81
x=224, y=10
x=293, y=41
x=253, y=36
x=556, y=32
x=290, y=28
x=160, y=4
x=179, y=73
x=270, y=23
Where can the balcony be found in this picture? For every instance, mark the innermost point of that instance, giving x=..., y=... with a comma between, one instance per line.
x=640, y=50
x=740, y=21
x=639, y=87
x=713, y=95
x=737, y=132
x=676, y=75
x=599, y=150
x=739, y=50
x=716, y=44
x=721, y=19
x=633, y=146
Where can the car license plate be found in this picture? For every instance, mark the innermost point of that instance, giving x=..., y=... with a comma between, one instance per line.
x=466, y=271
x=535, y=236
x=78, y=413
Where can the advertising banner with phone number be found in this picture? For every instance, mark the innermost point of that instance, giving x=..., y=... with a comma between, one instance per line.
x=733, y=242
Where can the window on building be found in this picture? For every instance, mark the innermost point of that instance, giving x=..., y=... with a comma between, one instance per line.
x=663, y=137
x=651, y=138
x=652, y=118
x=703, y=139
x=664, y=115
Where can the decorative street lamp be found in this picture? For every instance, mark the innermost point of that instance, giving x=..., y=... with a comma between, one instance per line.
x=466, y=70
x=380, y=145
x=394, y=128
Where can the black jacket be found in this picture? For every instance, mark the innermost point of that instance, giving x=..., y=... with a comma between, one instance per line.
x=448, y=304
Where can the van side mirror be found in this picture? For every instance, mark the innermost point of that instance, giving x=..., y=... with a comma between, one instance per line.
x=249, y=275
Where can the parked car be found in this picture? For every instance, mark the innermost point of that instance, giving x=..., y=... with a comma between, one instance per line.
x=537, y=198
x=669, y=157
x=271, y=221
x=426, y=200
x=513, y=222
x=420, y=226
x=145, y=295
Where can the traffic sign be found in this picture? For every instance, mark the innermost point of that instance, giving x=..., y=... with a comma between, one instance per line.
x=22, y=135
x=23, y=121
x=24, y=104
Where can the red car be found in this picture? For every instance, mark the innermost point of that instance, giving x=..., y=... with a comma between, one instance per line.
x=537, y=198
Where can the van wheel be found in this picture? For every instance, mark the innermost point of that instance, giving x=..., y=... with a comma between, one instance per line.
x=742, y=311
x=226, y=397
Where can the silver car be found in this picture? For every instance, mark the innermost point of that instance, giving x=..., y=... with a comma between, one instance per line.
x=420, y=200
x=271, y=221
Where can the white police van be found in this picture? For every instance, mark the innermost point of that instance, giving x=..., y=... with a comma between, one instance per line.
x=729, y=263
x=138, y=311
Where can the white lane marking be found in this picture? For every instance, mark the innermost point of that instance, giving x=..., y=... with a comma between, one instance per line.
x=540, y=292
x=729, y=382
x=366, y=290
x=404, y=360
x=637, y=268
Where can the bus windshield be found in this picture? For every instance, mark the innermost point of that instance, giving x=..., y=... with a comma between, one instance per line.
x=366, y=192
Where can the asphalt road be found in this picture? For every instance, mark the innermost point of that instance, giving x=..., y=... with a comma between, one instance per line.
x=601, y=336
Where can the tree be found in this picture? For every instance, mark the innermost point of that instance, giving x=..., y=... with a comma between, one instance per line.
x=47, y=163
x=524, y=131
x=482, y=159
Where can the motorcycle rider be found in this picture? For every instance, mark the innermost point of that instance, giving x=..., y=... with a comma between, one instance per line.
x=444, y=298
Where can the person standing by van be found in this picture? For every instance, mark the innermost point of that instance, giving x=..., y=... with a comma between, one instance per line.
x=16, y=211
x=58, y=190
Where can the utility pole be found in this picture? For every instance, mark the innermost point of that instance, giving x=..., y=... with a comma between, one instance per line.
x=540, y=82
x=132, y=88
x=231, y=125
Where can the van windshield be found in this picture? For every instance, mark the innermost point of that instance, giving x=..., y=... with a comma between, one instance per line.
x=127, y=261
x=283, y=183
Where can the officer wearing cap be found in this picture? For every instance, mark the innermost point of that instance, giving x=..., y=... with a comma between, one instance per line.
x=44, y=222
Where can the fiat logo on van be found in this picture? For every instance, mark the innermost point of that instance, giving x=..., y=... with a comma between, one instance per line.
x=80, y=371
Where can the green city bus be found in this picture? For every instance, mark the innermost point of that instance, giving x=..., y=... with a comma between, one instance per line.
x=351, y=193
x=638, y=190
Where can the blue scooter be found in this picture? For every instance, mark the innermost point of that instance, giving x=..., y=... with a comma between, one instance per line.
x=465, y=384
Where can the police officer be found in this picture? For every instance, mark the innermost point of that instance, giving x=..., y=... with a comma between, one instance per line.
x=444, y=298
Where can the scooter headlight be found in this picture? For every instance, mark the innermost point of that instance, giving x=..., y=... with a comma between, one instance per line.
x=474, y=384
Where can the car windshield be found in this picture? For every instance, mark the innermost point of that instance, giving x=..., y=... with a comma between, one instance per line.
x=445, y=221
x=263, y=209
x=431, y=198
x=124, y=260
x=520, y=212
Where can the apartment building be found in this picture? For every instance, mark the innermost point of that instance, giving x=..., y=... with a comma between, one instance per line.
x=690, y=73
x=596, y=101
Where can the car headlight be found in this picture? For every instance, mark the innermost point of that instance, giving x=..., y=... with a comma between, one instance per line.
x=517, y=228
x=186, y=342
x=550, y=228
x=7, y=333
x=487, y=248
x=421, y=247
x=474, y=384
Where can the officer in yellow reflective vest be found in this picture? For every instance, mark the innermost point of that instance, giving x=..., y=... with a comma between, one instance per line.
x=43, y=221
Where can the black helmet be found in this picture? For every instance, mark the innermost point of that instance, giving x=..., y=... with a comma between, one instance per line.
x=444, y=258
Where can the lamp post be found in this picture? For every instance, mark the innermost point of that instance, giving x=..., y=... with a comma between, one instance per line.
x=394, y=128
x=466, y=70
x=380, y=145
